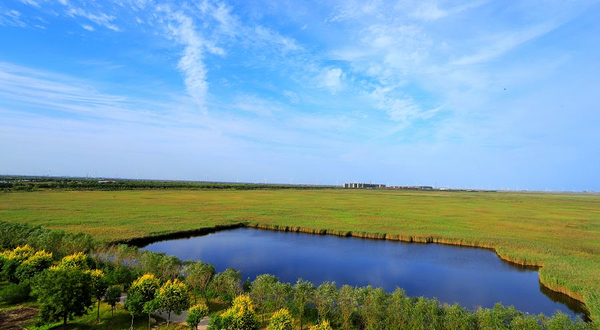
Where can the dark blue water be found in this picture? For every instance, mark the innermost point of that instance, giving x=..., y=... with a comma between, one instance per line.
x=469, y=276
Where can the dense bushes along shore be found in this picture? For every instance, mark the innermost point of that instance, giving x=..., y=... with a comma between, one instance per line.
x=70, y=274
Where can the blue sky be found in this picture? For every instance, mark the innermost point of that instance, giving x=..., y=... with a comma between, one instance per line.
x=479, y=94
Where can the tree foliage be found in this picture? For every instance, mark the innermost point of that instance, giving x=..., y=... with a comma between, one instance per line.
x=281, y=320
x=195, y=314
x=173, y=297
x=63, y=293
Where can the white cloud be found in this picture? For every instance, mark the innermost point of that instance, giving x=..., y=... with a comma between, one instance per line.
x=256, y=105
x=265, y=35
x=31, y=3
x=502, y=43
x=332, y=79
x=100, y=19
x=191, y=63
x=88, y=27
x=11, y=18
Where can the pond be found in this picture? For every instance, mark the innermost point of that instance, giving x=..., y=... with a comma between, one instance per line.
x=469, y=276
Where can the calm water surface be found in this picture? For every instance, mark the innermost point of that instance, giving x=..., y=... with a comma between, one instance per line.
x=469, y=276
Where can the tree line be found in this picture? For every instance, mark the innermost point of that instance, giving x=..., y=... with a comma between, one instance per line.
x=15, y=183
x=72, y=280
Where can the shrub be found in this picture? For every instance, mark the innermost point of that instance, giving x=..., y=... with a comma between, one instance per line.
x=15, y=293
x=34, y=265
x=281, y=320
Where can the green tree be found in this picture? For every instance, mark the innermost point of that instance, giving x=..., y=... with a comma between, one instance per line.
x=141, y=291
x=324, y=298
x=303, y=294
x=525, y=322
x=195, y=315
x=63, y=293
x=197, y=277
x=348, y=304
x=99, y=287
x=34, y=265
x=227, y=284
x=562, y=321
x=11, y=260
x=174, y=298
x=399, y=310
x=373, y=308
x=151, y=307
x=112, y=298
x=458, y=318
x=426, y=314
x=281, y=320
x=163, y=266
x=241, y=316
x=77, y=260
x=261, y=292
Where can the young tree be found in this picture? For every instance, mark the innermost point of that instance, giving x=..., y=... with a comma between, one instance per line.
x=348, y=304
x=227, y=284
x=373, y=308
x=151, y=307
x=195, y=314
x=165, y=267
x=458, y=318
x=63, y=293
x=399, y=310
x=241, y=315
x=141, y=291
x=112, y=297
x=303, y=293
x=134, y=304
x=281, y=320
x=324, y=298
x=197, y=277
x=261, y=292
x=173, y=297
x=99, y=287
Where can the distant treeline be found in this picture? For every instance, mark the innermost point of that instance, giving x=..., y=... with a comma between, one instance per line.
x=33, y=183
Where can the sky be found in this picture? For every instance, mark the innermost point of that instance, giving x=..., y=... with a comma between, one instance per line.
x=459, y=94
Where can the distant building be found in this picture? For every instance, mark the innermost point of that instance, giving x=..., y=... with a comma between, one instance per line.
x=364, y=186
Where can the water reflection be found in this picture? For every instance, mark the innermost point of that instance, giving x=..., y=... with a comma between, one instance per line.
x=468, y=276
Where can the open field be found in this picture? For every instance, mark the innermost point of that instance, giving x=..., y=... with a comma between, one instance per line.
x=560, y=232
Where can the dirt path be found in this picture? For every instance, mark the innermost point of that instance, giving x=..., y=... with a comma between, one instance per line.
x=13, y=318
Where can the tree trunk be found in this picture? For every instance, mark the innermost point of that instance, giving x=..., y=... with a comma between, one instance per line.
x=148, y=321
x=65, y=320
x=98, y=314
x=131, y=327
x=168, y=318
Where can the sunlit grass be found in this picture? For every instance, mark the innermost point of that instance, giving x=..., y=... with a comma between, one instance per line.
x=559, y=231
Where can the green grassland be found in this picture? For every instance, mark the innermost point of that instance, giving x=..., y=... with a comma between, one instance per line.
x=560, y=232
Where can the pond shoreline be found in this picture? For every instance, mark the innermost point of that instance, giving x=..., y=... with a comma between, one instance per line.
x=143, y=241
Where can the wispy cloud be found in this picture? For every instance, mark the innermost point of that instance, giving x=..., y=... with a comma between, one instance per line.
x=101, y=19
x=191, y=63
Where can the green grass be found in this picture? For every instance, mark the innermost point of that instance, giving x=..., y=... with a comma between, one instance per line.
x=559, y=231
